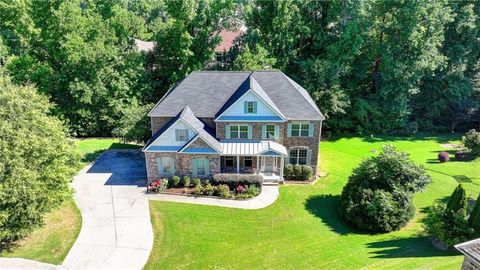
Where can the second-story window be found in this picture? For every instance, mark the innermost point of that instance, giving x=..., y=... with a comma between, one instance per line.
x=238, y=132
x=300, y=130
x=181, y=134
x=270, y=131
x=250, y=107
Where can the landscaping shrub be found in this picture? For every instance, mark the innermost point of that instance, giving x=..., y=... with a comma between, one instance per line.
x=288, y=171
x=198, y=189
x=208, y=190
x=186, y=181
x=458, y=201
x=233, y=180
x=448, y=222
x=175, y=181
x=450, y=230
x=240, y=189
x=252, y=190
x=158, y=185
x=37, y=159
x=474, y=219
x=223, y=191
x=297, y=171
x=443, y=157
x=307, y=173
x=205, y=181
x=461, y=155
x=378, y=195
x=471, y=140
x=197, y=182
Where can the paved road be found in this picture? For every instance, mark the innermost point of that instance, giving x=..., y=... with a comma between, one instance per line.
x=116, y=230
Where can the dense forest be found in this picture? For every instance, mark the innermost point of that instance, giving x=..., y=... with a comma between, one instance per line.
x=396, y=67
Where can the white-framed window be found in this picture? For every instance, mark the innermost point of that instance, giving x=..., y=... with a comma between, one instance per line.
x=181, y=135
x=247, y=162
x=298, y=156
x=270, y=131
x=300, y=130
x=166, y=165
x=238, y=132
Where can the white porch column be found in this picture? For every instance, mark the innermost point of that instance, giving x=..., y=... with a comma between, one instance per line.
x=238, y=164
x=282, y=163
x=258, y=165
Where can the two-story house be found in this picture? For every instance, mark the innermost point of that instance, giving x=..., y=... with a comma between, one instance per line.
x=235, y=122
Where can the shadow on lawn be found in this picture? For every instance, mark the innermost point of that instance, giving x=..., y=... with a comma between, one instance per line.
x=460, y=178
x=325, y=207
x=416, y=246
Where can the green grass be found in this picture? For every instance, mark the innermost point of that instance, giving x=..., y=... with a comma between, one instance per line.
x=51, y=242
x=303, y=228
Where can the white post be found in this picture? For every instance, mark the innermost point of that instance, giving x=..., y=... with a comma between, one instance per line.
x=258, y=165
x=238, y=164
x=281, y=167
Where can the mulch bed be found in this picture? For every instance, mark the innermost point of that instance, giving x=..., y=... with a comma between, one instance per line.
x=180, y=190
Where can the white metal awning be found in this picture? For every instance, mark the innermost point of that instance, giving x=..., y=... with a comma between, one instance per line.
x=252, y=148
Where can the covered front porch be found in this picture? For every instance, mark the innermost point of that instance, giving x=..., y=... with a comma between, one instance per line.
x=264, y=158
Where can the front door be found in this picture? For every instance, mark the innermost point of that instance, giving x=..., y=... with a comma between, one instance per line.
x=269, y=164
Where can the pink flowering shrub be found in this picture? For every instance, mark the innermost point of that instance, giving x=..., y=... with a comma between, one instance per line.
x=240, y=189
x=158, y=185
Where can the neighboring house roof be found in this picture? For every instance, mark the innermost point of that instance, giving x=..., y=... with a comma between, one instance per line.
x=144, y=46
x=471, y=249
x=204, y=132
x=228, y=37
x=208, y=91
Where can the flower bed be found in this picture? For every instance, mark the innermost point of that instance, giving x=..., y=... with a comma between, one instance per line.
x=234, y=187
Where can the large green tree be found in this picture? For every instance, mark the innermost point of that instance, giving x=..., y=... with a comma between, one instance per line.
x=81, y=54
x=186, y=40
x=37, y=161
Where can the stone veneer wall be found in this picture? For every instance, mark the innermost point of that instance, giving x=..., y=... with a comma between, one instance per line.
x=469, y=264
x=183, y=163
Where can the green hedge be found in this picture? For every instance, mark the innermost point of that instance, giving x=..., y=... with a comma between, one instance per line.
x=233, y=180
x=298, y=172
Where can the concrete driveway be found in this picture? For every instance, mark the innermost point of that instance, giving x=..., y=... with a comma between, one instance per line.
x=116, y=230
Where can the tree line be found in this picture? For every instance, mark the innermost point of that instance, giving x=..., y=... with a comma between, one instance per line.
x=394, y=67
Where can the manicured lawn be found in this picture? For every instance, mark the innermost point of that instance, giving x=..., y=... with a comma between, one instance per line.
x=51, y=242
x=302, y=229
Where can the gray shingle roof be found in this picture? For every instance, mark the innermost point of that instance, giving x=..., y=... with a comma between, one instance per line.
x=206, y=92
x=470, y=249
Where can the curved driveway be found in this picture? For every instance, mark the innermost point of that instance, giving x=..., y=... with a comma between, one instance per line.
x=116, y=230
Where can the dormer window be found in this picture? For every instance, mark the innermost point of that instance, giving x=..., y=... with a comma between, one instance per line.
x=250, y=107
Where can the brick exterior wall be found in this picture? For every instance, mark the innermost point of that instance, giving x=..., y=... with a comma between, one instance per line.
x=469, y=264
x=183, y=164
x=289, y=142
x=310, y=142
